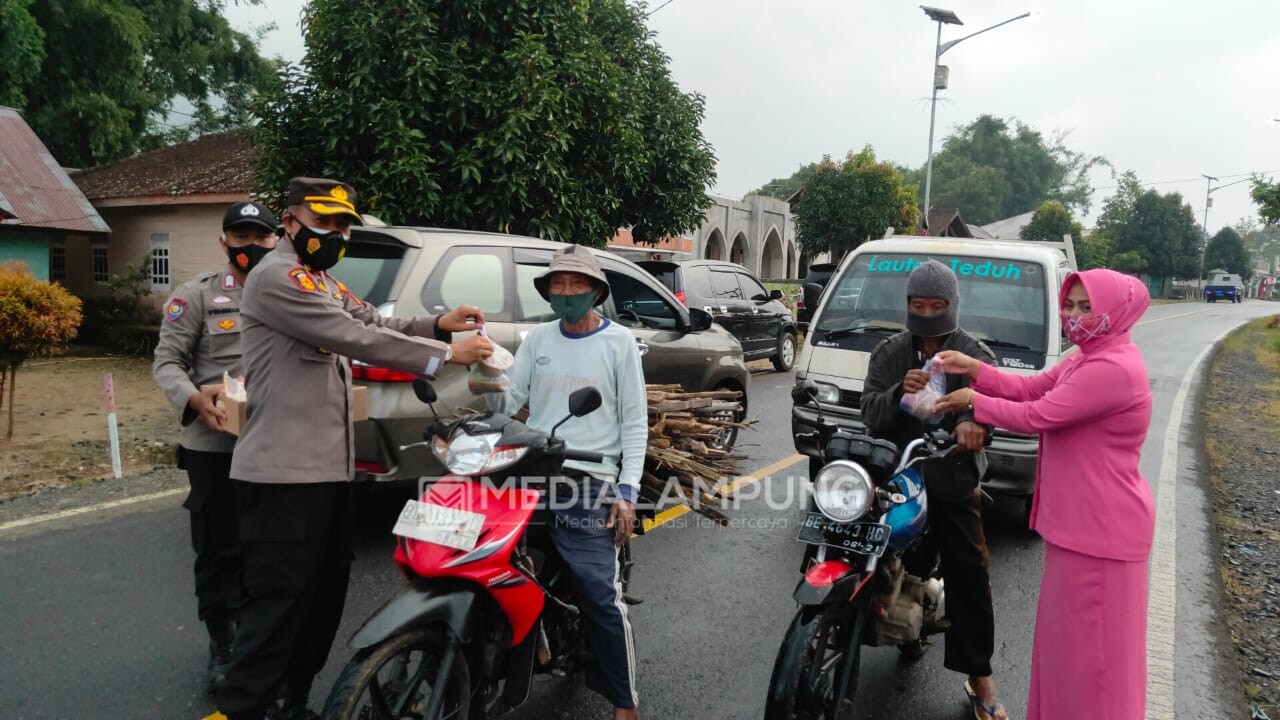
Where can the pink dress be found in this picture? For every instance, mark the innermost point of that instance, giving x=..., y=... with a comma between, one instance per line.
x=1092, y=506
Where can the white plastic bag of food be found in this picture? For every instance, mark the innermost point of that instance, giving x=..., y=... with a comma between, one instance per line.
x=490, y=374
x=920, y=404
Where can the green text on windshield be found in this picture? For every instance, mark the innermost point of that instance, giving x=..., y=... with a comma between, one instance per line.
x=1002, y=301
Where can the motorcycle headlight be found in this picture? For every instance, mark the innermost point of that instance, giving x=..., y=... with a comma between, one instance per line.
x=475, y=454
x=843, y=491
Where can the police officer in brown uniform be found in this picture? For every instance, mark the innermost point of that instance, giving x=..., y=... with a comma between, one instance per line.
x=294, y=461
x=199, y=341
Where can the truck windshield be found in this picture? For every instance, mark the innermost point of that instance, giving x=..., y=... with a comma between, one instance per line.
x=1002, y=301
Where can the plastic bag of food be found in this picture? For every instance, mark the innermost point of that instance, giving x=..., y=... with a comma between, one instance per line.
x=490, y=374
x=920, y=404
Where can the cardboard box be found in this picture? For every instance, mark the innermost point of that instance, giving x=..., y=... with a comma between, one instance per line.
x=237, y=410
x=359, y=403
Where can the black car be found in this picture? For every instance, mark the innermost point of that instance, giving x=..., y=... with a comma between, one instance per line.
x=738, y=301
x=815, y=282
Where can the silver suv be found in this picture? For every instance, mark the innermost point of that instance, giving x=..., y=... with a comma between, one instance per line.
x=420, y=271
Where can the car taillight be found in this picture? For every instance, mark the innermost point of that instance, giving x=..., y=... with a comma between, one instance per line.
x=680, y=297
x=377, y=374
x=370, y=466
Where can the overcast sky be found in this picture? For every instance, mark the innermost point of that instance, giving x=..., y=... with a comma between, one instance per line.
x=1169, y=90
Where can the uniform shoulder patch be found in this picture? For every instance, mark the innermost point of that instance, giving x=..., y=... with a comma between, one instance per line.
x=302, y=279
x=175, y=309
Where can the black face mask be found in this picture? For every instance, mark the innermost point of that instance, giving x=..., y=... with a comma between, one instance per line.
x=246, y=258
x=319, y=250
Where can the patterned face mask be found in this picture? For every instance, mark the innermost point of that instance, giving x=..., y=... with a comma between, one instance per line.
x=1084, y=328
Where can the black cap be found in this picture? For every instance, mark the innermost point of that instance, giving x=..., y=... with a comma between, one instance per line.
x=249, y=213
x=324, y=197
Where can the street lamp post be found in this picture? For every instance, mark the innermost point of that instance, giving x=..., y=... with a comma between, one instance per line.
x=944, y=17
x=1208, y=189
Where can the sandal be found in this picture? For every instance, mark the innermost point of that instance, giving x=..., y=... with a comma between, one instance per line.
x=994, y=711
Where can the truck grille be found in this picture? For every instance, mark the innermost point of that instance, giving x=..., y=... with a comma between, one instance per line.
x=851, y=398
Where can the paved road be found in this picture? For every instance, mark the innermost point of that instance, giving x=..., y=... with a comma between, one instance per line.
x=96, y=617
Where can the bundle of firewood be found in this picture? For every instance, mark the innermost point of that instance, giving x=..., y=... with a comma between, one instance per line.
x=686, y=458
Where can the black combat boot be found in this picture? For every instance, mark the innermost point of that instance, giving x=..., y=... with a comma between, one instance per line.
x=222, y=636
x=291, y=703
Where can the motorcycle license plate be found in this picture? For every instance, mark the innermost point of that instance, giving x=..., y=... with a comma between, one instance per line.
x=863, y=538
x=458, y=529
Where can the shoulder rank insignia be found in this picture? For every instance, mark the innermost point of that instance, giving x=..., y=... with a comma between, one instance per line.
x=302, y=279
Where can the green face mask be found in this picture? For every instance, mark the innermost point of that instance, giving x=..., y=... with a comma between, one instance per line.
x=572, y=308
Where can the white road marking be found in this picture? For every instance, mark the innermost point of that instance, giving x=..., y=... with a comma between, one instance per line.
x=1170, y=317
x=36, y=520
x=1162, y=600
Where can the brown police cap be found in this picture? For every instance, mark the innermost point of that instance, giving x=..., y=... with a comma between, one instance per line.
x=324, y=197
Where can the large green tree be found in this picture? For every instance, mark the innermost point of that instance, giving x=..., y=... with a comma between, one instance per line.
x=1051, y=221
x=993, y=169
x=1162, y=230
x=555, y=118
x=21, y=50
x=1266, y=195
x=844, y=204
x=112, y=71
x=1226, y=250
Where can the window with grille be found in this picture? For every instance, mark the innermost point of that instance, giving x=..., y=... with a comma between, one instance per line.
x=159, y=261
x=101, y=271
x=58, y=261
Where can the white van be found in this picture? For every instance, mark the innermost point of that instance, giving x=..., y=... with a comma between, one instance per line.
x=1008, y=299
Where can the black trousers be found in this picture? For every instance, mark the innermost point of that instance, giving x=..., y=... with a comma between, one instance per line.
x=955, y=529
x=297, y=548
x=215, y=531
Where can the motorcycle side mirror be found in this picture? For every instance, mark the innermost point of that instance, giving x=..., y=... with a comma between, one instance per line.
x=424, y=390
x=427, y=394
x=805, y=392
x=584, y=401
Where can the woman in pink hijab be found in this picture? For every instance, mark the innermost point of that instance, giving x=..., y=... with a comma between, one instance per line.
x=1092, y=506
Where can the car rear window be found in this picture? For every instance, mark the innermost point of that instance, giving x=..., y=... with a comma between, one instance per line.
x=665, y=273
x=369, y=268
x=1001, y=300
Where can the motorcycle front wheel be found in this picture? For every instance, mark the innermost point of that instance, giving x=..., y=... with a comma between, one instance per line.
x=395, y=680
x=820, y=644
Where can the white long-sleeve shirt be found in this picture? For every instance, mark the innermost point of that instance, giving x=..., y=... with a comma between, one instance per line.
x=551, y=363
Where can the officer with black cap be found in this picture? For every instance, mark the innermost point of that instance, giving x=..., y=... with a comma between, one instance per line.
x=199, y=341
x=295, y=458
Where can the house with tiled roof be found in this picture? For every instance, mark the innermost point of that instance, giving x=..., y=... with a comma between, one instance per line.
x=45, y=221
x=167, y=205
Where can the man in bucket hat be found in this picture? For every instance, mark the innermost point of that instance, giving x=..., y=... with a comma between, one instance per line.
x=580, y=349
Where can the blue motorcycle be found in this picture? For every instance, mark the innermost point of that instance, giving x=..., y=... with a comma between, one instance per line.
x=869, y=579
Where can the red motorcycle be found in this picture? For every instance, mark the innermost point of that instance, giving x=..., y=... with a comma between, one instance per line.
x=489, y=602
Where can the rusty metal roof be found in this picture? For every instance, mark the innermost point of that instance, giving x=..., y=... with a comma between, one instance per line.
x=218, y=163
x=34, y=188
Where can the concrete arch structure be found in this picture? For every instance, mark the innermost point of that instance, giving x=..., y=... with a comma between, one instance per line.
x=714, y=248
x=740, y=251
x=739, y=230
x=772, y=260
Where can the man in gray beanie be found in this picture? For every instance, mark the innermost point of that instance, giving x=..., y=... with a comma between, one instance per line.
x=955, y=507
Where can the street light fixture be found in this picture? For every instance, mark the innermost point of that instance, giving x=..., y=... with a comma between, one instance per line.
x=944, y=17
x=1208, y=203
